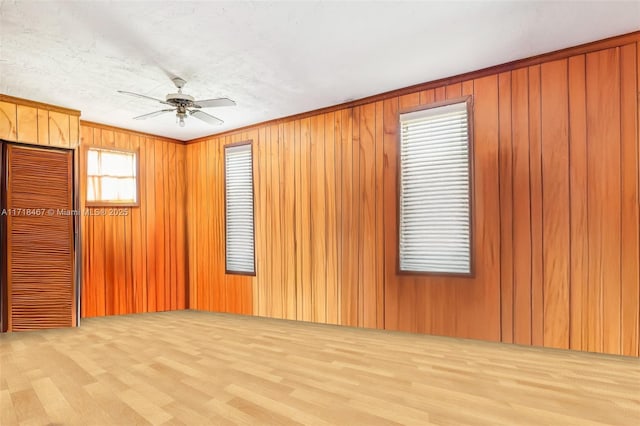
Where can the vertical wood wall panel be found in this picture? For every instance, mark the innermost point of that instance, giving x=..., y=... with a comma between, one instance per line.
x=148, y=183
x=637, y=144
x=356, y=218
x=303, y=239
x=27, y=132
x=215, y=297
x=483, y=318
x=609, y=94
x=506, y=206
x=288, y=220
x=603, y=142
x=43, y=127
x=275, y=218
x=555, y=213
x=379, y=264
x=390, y=213
x=59, y=131
x=297, y=226
x=331, y=271
x=8, y=121
x=578, y=184
x=367, y=235
x=261, y=224
x=630, y=246
x=349, y=290
x=521, y=208
x=555, y=203
x=133, y=257
x=535, y=182
x=317, y=193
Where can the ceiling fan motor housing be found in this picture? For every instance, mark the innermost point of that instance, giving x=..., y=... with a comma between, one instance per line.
x=180, y=99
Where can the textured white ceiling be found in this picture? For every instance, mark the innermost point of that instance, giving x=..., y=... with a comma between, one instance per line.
x=273, y=58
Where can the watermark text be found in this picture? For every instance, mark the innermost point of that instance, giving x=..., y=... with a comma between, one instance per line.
x=89, y=211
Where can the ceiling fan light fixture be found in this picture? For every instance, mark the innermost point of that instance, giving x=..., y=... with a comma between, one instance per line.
x=181, y=122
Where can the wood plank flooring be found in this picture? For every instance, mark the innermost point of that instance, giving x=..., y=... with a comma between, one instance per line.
x=197, y=368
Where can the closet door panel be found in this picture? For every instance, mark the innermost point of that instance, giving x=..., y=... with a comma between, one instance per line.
x=40, y=251
x=3, y=245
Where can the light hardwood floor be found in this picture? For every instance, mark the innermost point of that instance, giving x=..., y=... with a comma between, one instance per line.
x=199, y=368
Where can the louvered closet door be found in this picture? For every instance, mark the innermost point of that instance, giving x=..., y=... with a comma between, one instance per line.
x=39, y=240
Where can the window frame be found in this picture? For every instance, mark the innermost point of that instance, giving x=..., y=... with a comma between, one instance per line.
x=85, y=177
x=470, y=143
x=253, y=197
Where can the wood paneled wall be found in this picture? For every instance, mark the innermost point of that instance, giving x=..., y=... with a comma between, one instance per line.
x=209, y=287
x=556, y=210
x=556, y=222
x=136, y=263
x=311, y=194
x=38, y=124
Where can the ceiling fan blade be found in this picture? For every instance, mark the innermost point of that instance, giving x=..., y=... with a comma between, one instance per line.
x=153, y=114
x=208, y=103
x=201, y=115
x=138, y=95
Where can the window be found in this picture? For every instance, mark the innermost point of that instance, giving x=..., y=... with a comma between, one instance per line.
x=435, y=206
x=238, y=180
x=112, y=177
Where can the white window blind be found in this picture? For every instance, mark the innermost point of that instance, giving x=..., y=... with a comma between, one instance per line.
x=434, y=191
x=111, y=176
x=239, y=209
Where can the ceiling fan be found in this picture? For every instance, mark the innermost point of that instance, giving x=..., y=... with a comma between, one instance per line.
x=184, y=105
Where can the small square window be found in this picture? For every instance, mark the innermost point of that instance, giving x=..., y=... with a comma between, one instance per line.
x=112, y=177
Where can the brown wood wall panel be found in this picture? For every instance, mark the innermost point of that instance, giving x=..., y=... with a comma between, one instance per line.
x=367, y=237
x=318, y=194
x=630, y=245
x=555, y=203
x=133, y=258
x=27, y=116
x=637, y=313
x=349, y=288
x=40, y=247
x=521, y=236
x=578, y=184
x=506, y=206
x=33, y=123
x=43, y=127
x=8, y=121
x=555, y=213
x=331, y=270
x=59, y=131
x=603, y=168
x=535, y=182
